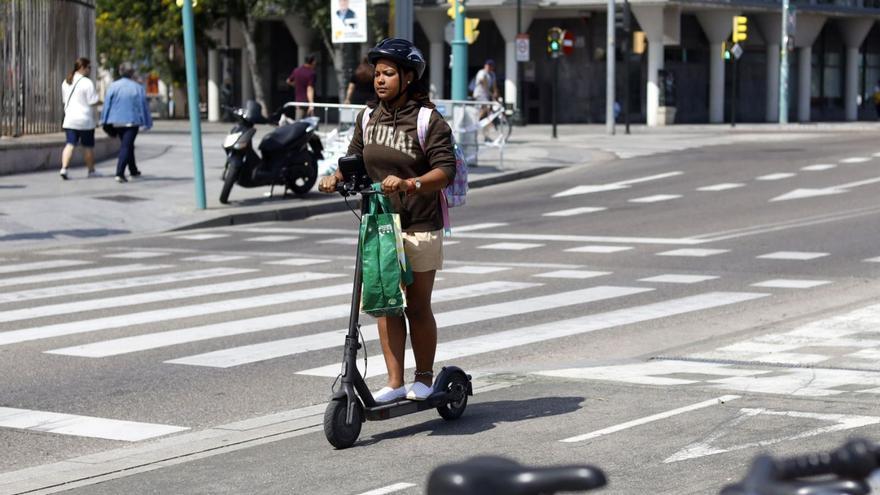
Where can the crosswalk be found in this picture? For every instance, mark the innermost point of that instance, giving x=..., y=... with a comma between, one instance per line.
x=96, y=306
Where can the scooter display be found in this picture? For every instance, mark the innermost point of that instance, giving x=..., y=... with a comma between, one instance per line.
x=352, y=403
x=290, y=154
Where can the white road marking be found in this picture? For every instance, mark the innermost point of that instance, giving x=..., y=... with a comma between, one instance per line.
x=269, y=350
x=476, y=270
x=598, y=249
x=575, y=211
x=777, y=176
x=702, y=448
x=649, y=419
x=792, y=255
x=131, y=319
x=347, y=241
x=299, y=262
x=720, y=187
x=580, y=238
x=215, y=258
x=163, y=295
x=82, y=426
x=614, y=185
x=783, y=283
x=390, y=489
x=510, y=246
x=872, y=260
x=201, y=237
x=158, y=340
x=819, y=167
x=41, y=265
x=671, y=278
x=655, y=198
x=809, y=193
x=136, y=255
x=91, y=272
x=108, y=285
x=66, y=251
x=653, y=372
x=479, y=226
x=698, y=253
x=564, y=328
x=272, y=238
x=856, y=159
x=577, y=274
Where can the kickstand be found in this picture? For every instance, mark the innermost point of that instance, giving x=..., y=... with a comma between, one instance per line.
x=272, y=191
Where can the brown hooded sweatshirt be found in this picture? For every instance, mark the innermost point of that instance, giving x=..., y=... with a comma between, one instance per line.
x=390, y=146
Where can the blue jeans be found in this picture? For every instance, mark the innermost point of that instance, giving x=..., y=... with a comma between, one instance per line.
x=127, y=136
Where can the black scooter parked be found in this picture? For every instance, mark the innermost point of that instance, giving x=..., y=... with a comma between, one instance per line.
x=290, y=153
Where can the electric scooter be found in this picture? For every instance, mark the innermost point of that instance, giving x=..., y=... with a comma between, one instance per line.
x=352, y=403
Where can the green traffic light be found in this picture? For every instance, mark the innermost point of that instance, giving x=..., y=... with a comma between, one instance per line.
x=554, y=45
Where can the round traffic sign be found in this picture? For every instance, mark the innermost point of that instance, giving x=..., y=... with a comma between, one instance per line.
x=568, y=43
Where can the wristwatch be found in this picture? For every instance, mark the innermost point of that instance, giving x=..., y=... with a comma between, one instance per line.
x=418, y=184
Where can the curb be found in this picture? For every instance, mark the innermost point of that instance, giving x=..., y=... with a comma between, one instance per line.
x=299, y=212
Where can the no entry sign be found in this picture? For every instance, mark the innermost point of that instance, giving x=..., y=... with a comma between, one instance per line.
x=568, y=43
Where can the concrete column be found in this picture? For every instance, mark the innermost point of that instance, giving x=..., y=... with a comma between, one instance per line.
x=807, y=29
x=651, y=19
x=247, y=84
x=717, y=25
x=302, y=36
x=433, y=22
x=853, y=32
x=213, y=86
x=771, y=30
x=805, y=75
x=505, y=19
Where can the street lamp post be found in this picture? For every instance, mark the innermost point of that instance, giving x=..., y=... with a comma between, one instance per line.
x=459, y=55
x=192, y=89
x=783, y=66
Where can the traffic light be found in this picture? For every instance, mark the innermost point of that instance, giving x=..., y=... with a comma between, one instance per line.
x=554, y=41
x=622, y=18
x=470, y=29
x=452, y=8
x=740, y=28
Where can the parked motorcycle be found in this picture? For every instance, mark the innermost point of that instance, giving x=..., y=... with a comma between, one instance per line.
x=290, y=153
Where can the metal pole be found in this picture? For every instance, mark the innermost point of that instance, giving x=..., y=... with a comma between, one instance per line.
x=403, y=19
x=733, y=94
x=627, y=45
x=609, y=71
x=459, y=56
x=520, y=99
x=192, y=89
x=555, y=92
x=783, y=66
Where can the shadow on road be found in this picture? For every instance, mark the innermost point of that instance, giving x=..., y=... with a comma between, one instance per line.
x=484, y=416
x=52, y=234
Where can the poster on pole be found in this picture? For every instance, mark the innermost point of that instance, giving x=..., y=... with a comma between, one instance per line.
x=348, y=21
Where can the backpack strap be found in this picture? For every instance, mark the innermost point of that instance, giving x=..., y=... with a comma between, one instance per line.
x=422, y=125
x=365, y=119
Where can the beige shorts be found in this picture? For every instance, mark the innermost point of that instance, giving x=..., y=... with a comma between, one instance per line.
x=424, y=250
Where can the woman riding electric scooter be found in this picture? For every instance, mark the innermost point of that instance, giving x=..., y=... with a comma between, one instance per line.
x=413, y=178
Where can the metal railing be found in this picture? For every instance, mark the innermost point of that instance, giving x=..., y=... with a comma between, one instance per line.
x=39, y=41
x=472, y=133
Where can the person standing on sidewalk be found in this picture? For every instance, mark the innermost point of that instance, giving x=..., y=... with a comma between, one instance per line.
x=360, y=86
x=79, y=98
x=126, y=110
x=302, y=80
x=485, y=89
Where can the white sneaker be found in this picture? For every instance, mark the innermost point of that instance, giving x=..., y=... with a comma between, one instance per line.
x=388, y=394
x=418, y=391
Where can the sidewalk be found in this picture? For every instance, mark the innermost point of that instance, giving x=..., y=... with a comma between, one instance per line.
x=40, y=208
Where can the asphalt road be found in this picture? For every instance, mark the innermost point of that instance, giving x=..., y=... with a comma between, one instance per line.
x=665, y=318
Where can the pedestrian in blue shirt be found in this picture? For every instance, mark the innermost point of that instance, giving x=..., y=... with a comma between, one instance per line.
x=126, y=110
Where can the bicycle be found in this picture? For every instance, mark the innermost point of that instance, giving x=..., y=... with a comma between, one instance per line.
x=495, y=126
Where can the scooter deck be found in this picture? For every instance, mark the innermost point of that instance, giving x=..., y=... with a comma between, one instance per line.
x=402, y=407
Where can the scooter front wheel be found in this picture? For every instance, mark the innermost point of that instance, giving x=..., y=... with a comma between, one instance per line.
x=339, y=434
x=456, y=389
x=229, y=178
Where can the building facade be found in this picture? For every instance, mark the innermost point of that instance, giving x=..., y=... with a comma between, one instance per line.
x=681, y=77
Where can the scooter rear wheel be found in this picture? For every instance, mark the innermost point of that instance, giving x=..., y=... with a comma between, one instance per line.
x=303, y=178
x=339, y=434
x=456, y=389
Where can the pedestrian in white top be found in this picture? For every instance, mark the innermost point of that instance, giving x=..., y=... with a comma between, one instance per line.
x=485, y=89
x=79, y=98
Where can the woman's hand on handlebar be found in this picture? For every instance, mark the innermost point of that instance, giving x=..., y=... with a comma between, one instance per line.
x=393, y=184
x=328, y=184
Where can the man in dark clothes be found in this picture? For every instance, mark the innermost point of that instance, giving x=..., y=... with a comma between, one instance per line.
x=302, y=80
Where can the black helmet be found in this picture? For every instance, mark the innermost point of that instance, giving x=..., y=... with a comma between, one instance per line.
x=400, y=51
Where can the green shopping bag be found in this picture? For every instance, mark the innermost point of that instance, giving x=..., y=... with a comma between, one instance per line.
x=385, y=269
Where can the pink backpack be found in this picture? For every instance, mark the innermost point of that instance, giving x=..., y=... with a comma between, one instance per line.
x=454, y=194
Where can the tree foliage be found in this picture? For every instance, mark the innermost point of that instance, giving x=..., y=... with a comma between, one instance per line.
x=149, y=34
